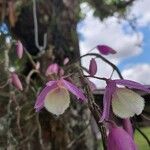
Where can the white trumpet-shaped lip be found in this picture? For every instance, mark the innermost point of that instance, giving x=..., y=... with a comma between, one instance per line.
x=57, y=101
x=123, y=99
x=127, y=103
x=55, y=96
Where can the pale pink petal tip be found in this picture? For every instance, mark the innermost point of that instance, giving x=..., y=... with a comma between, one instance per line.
x=19, y=49
x=73, y=89
x=92, y=67
x=16, y=81
x=119, y=139
x=66, y=60
x=106, y=50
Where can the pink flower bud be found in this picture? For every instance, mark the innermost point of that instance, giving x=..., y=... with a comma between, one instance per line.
x=92, y=67
x=52, y=69
x=119, y=139
x=19, y=49
x=66, y=60
x=16, y=81
x=105, y=50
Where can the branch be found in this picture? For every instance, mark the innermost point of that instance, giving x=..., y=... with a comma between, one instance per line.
x=41, y=48
x=106, y=61
x=94, y=110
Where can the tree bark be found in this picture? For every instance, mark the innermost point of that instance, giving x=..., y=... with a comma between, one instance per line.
x=72, y=130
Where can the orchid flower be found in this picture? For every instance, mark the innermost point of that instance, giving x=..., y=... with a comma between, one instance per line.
x=119, y=139
x=125, y=102
x=55, y=96
x=14, y=79
x=105, y=50
x=19, y=49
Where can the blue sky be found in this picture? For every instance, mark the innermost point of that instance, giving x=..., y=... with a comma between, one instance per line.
x=144, y=57
x=132, y=59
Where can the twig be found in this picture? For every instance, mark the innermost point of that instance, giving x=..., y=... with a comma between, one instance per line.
x=145, y=117
x=94, y=110
x=30, y=57
x=105, y=60
x=77, y=138
x=28, y=137
x=4, y=85
x=143, y=134
x=41, y=48
x=96, y=77
x=40, y=132
x=18, y=114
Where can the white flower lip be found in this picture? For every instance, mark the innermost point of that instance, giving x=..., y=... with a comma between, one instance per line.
x=126, y=103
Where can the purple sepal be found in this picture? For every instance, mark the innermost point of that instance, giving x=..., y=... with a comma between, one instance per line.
x=73, y=89
x=110, y=89
x=132, y=84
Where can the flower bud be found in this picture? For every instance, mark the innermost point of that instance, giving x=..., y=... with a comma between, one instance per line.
x=52, y=69
x=66, y=60
x=105, y=50
x=16, y=81
x=19, y=49
x=92, y=67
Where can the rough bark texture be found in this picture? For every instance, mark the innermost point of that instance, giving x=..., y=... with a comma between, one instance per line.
x=72, y=131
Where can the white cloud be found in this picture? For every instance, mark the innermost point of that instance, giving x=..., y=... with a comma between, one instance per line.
x=115, y=33
x=139, y=73
x=110, y=32
x=141, y=11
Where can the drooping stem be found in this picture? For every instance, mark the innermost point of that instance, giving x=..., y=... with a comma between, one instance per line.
x=94, y=110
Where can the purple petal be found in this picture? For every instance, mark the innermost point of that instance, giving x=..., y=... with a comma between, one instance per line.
x=50, y=83
x=92, y=67
x=110, y=89
x=119, y=139
x=41, y=97
x=73, y=89
x=105, y=50
x=132, y=84
x=128, y=126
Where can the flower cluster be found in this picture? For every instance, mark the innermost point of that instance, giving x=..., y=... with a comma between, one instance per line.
x=119, y=98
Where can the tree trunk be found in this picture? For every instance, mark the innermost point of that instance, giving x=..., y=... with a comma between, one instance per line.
x=57, y=18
